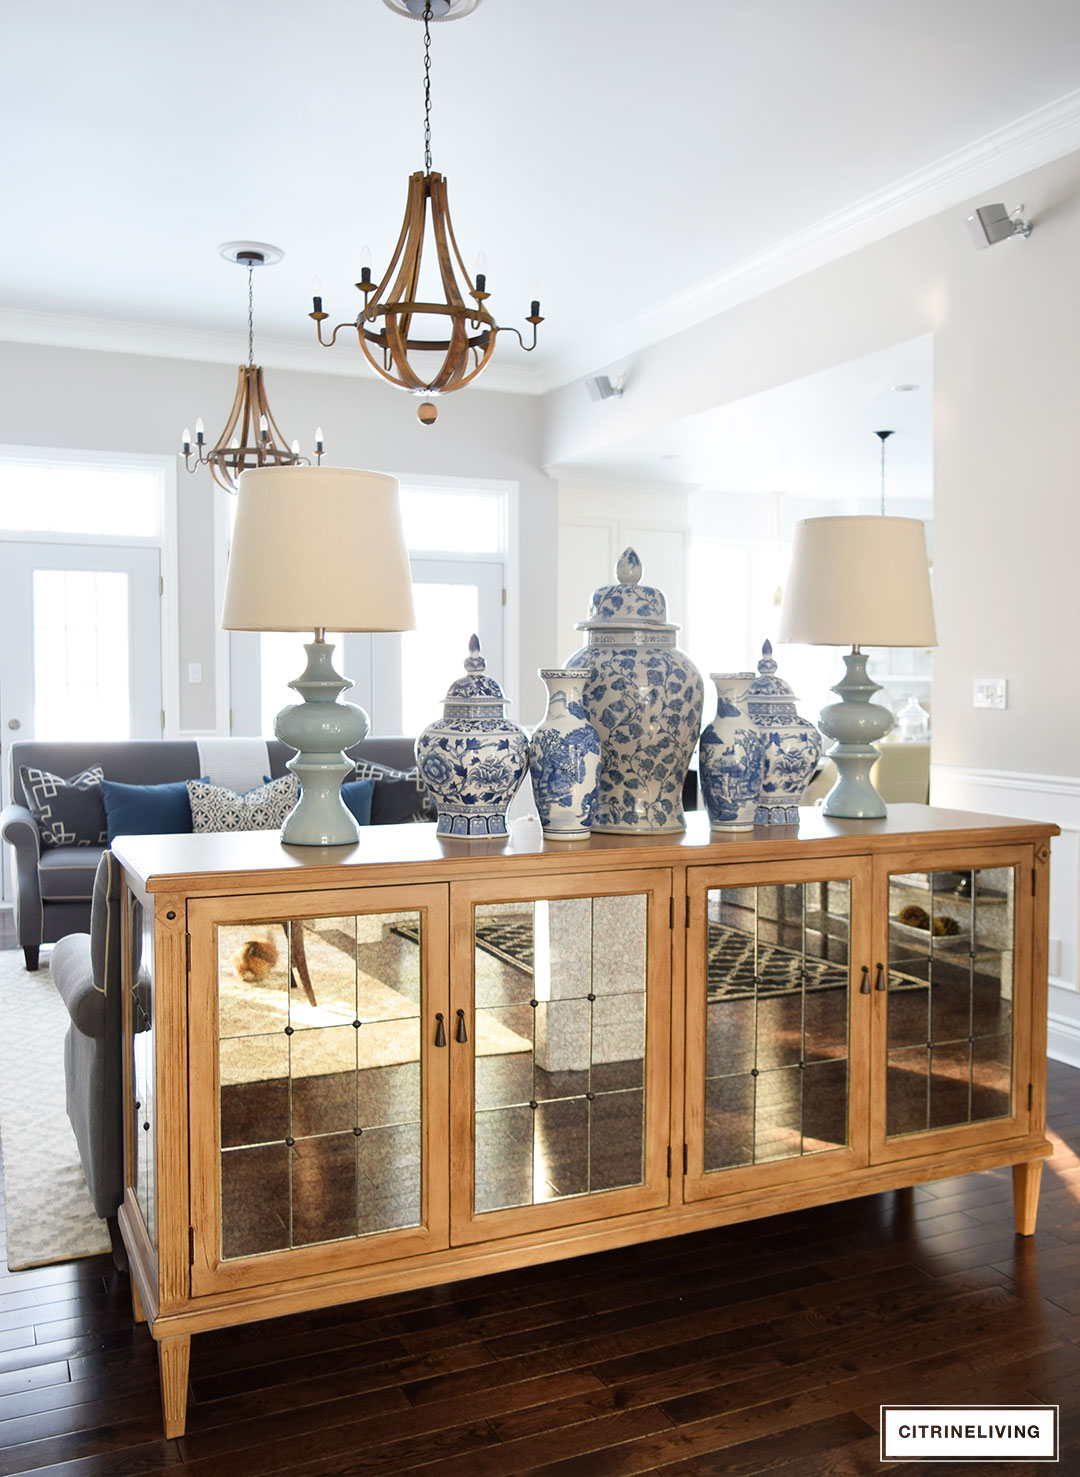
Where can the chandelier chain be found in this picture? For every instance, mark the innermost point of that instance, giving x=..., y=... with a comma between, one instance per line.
x=427, y=88
x=251, y=316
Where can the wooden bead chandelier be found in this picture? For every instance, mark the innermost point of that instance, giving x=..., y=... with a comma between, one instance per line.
x=427, y=348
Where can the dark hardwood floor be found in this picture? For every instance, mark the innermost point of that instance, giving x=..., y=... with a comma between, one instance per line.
x=766, y=1347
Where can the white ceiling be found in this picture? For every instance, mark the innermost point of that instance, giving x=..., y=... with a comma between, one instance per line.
x=633, y=157
x=811, y=438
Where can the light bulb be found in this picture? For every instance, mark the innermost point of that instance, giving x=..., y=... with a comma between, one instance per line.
x=186, y=438
x=318, y=438
x=316, y=286
x=365, y=255
x=200, y=429
x=295, y=448
x=480, y=268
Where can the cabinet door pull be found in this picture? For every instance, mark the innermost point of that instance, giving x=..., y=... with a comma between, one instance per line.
x=440, y=1033
x=461, y=1033
x=864, y=988
x=879, y=983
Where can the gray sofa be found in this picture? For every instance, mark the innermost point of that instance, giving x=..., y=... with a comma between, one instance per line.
x=53, y=885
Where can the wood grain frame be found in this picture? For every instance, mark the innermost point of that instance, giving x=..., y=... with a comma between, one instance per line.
x=884, y=1149
x=210, y=1272
x=466, y=1225
x=700, y=1184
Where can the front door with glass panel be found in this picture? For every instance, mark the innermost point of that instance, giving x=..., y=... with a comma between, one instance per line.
x=559, y=1047
x=318, y=1072
x=952, y=1014
x=81, y=642
x=776, y=1016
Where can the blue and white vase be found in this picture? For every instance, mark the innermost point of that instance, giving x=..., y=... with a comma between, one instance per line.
x=731, y=756
x=564, y=757
x=644, y=698
x=473, y=758
x=792, y=745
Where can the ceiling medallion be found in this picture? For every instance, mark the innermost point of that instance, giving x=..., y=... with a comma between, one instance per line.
x=251, y=437
x=391, y=325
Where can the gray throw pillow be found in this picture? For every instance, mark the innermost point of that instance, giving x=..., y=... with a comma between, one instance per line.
x=399, y=794
x=214, y=808
x=68, y=812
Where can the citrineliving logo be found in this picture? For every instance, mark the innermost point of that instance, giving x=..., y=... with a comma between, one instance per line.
x=969, y=1433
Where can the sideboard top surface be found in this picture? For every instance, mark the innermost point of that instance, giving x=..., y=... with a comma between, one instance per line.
x=257, y=860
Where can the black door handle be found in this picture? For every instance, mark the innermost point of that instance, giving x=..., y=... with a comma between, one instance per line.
x=462, y=1034
x=864, y=988
x=879, y=983
x=440, y=1033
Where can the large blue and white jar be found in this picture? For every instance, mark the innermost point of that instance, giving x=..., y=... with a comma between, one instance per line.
x=564, y=757
x=473, y=758
x=731, y=756
x=792, y=745
x=644, y=698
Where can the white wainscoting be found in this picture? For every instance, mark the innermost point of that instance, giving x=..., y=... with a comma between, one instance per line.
x=1037, y=797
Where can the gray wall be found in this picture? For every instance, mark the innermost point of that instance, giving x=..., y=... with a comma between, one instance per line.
x=90, y=401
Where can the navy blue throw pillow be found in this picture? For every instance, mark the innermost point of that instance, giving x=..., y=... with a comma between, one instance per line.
x=357, y=795
x=147, y=810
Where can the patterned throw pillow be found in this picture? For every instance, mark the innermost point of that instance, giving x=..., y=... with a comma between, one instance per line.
x=213, y=808
x=400, y=794
x=68, y=812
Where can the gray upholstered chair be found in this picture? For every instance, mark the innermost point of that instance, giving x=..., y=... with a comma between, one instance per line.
x=53, y=885
x=86, y=972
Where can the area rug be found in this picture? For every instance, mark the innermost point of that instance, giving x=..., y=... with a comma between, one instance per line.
x=50, y=1217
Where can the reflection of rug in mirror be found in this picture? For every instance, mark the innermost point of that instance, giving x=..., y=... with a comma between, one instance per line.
x=253, y=1017
x=509, y=939
x=732, y=975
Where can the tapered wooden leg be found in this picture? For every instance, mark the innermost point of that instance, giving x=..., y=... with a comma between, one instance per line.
x=1026, y=1180
x=137, y=1310
x=174, y=1356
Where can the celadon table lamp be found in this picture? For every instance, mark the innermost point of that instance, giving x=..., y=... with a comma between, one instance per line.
x=318, y=549
x=861, y=581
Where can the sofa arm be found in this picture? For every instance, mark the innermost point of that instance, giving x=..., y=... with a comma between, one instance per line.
x=18, y=826
x=73, y=976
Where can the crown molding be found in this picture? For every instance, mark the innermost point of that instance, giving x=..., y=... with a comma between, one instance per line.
x=1033, y=140
x=167, y=341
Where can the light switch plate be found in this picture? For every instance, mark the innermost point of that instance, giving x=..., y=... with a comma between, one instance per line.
x=194, y=671
x=991, y=692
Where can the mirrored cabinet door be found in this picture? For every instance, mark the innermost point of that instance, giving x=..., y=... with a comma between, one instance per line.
x=952, y=1027
x=322, y=1135
x=775, y=1066
x=559, y=1053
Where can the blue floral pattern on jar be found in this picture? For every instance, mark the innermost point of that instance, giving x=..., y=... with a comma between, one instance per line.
x=473, y=759
x=644, y=698
x=731, y=756
x=564, y=757
x=792, y=745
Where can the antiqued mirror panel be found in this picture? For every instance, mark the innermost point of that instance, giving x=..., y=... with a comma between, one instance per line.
x=559, y=1054
x=776, y=1019
x=950, y=1000
x=143, y=1082
x=320, y=1079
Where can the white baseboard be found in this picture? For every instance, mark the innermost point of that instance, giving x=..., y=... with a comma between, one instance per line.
x=1063, y=1026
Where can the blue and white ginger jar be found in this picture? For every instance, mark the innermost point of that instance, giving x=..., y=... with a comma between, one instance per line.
x=564, y=757
x=731, y=756
x=644, y=698
x=792, y=745
x=473, y=758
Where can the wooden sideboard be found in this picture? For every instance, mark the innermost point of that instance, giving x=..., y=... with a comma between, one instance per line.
x=355, y=1070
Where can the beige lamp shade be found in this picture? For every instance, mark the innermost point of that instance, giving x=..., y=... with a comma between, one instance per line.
x=317, y=547
x=858, y=582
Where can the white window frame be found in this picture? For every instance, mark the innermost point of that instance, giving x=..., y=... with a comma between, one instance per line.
x=166, y=542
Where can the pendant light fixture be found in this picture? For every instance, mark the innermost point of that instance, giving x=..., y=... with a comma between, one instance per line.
x=883, y=436
x=427, y=348
x=251, y=437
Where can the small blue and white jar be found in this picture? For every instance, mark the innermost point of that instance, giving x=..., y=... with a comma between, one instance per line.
x=473, y=758
x=644, y=698
x=564, y=757
x=792, y=745
x=731, y=756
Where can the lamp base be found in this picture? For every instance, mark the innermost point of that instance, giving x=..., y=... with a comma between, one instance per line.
x=855, y=722
x=320, y=727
